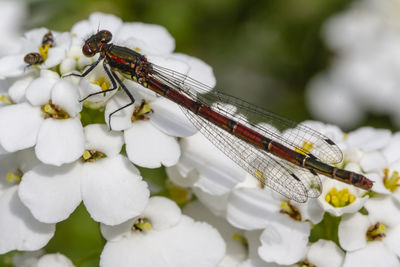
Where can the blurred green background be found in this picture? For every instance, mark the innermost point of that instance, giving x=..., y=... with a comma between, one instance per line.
x=264, y=52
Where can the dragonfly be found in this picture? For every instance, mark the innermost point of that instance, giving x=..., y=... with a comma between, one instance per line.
x=279, y=160
x=35, y=58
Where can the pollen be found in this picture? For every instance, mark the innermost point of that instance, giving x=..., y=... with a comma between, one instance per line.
x=102, y=82
x=141, y=224
x=14, y=177
x=339, y=199
x=305, y=148
x=376, y=232
x=44, y=51
x=260, y=176
x=92, y=155
x=141, y=112
x=6, y=100
x=238, y=237
x=292, y=211
x=55, y=112
x=391, y=182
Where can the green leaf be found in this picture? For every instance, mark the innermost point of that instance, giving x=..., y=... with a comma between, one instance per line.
x=326, y=229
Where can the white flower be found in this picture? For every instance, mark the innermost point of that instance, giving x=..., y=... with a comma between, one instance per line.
x=325, y=253
x=19, y=230
x=108, y=184
x=363, y=76
x=372, y=239
x=339, y=198
x=14, y=65
x=36, y=259
x=48, y=121
x=173, y=240
x=236, y=244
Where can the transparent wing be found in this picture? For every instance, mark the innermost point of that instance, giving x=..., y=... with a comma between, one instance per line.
x=269, y=170
x=284, y=177
x=288, y=133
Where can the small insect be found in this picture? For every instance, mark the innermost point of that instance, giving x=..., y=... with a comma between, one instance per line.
x=36, y=58
x=279, y=160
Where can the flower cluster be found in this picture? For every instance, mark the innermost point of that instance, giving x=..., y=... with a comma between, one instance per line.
x=363, y=76
x=57, y=152
x=344, y=226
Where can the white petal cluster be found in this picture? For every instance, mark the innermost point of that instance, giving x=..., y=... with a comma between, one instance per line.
x=363, y=75
x=280, y=232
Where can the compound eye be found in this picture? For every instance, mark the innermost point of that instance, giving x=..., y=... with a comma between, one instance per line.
x=87, y=51
x=106, y=36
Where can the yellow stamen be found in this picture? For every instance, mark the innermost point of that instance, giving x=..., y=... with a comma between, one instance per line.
x=6, y=100
x=260, y=176
x=13, y=178
x=240, y=238
x=178, y=194
x=340, y=198
x=49, y=109
x=141, y=111
x=391, y=182
x=102, y=82
x=142, y=224
x=44, y=50
x=290, y=210
x=305, y=148
x=92, y=155
x=86, y=155
x=53, y=111
x=376, y=232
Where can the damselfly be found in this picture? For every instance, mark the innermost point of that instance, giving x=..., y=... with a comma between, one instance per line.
x=277, y=160
x=35, y=58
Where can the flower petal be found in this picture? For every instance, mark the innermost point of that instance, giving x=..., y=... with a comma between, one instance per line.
x=217, y=173
x=122, y=119
x=18, y=89
x=369, y=138
x=373, y=160
x=65, y=94
x=148, y=147
x=12, y=66
x=149, y=37
x=56, y=260
x=284, y=241
x=60, y=141
x=251, y=208
x=99, y=138
x=113, y=190
x=325, y=253
x=383, y=209
x=170, y=119
x=162, y=212
x=51, y=193
x=19, y=229
x=20, y=125
x=199, y=71
x=198, y=242
x=352, y=231
x=38, y=91
x=375, y=254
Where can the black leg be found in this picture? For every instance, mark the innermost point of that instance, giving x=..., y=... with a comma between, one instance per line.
x=87, y=71
x=127, y=92
x=114, y=84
